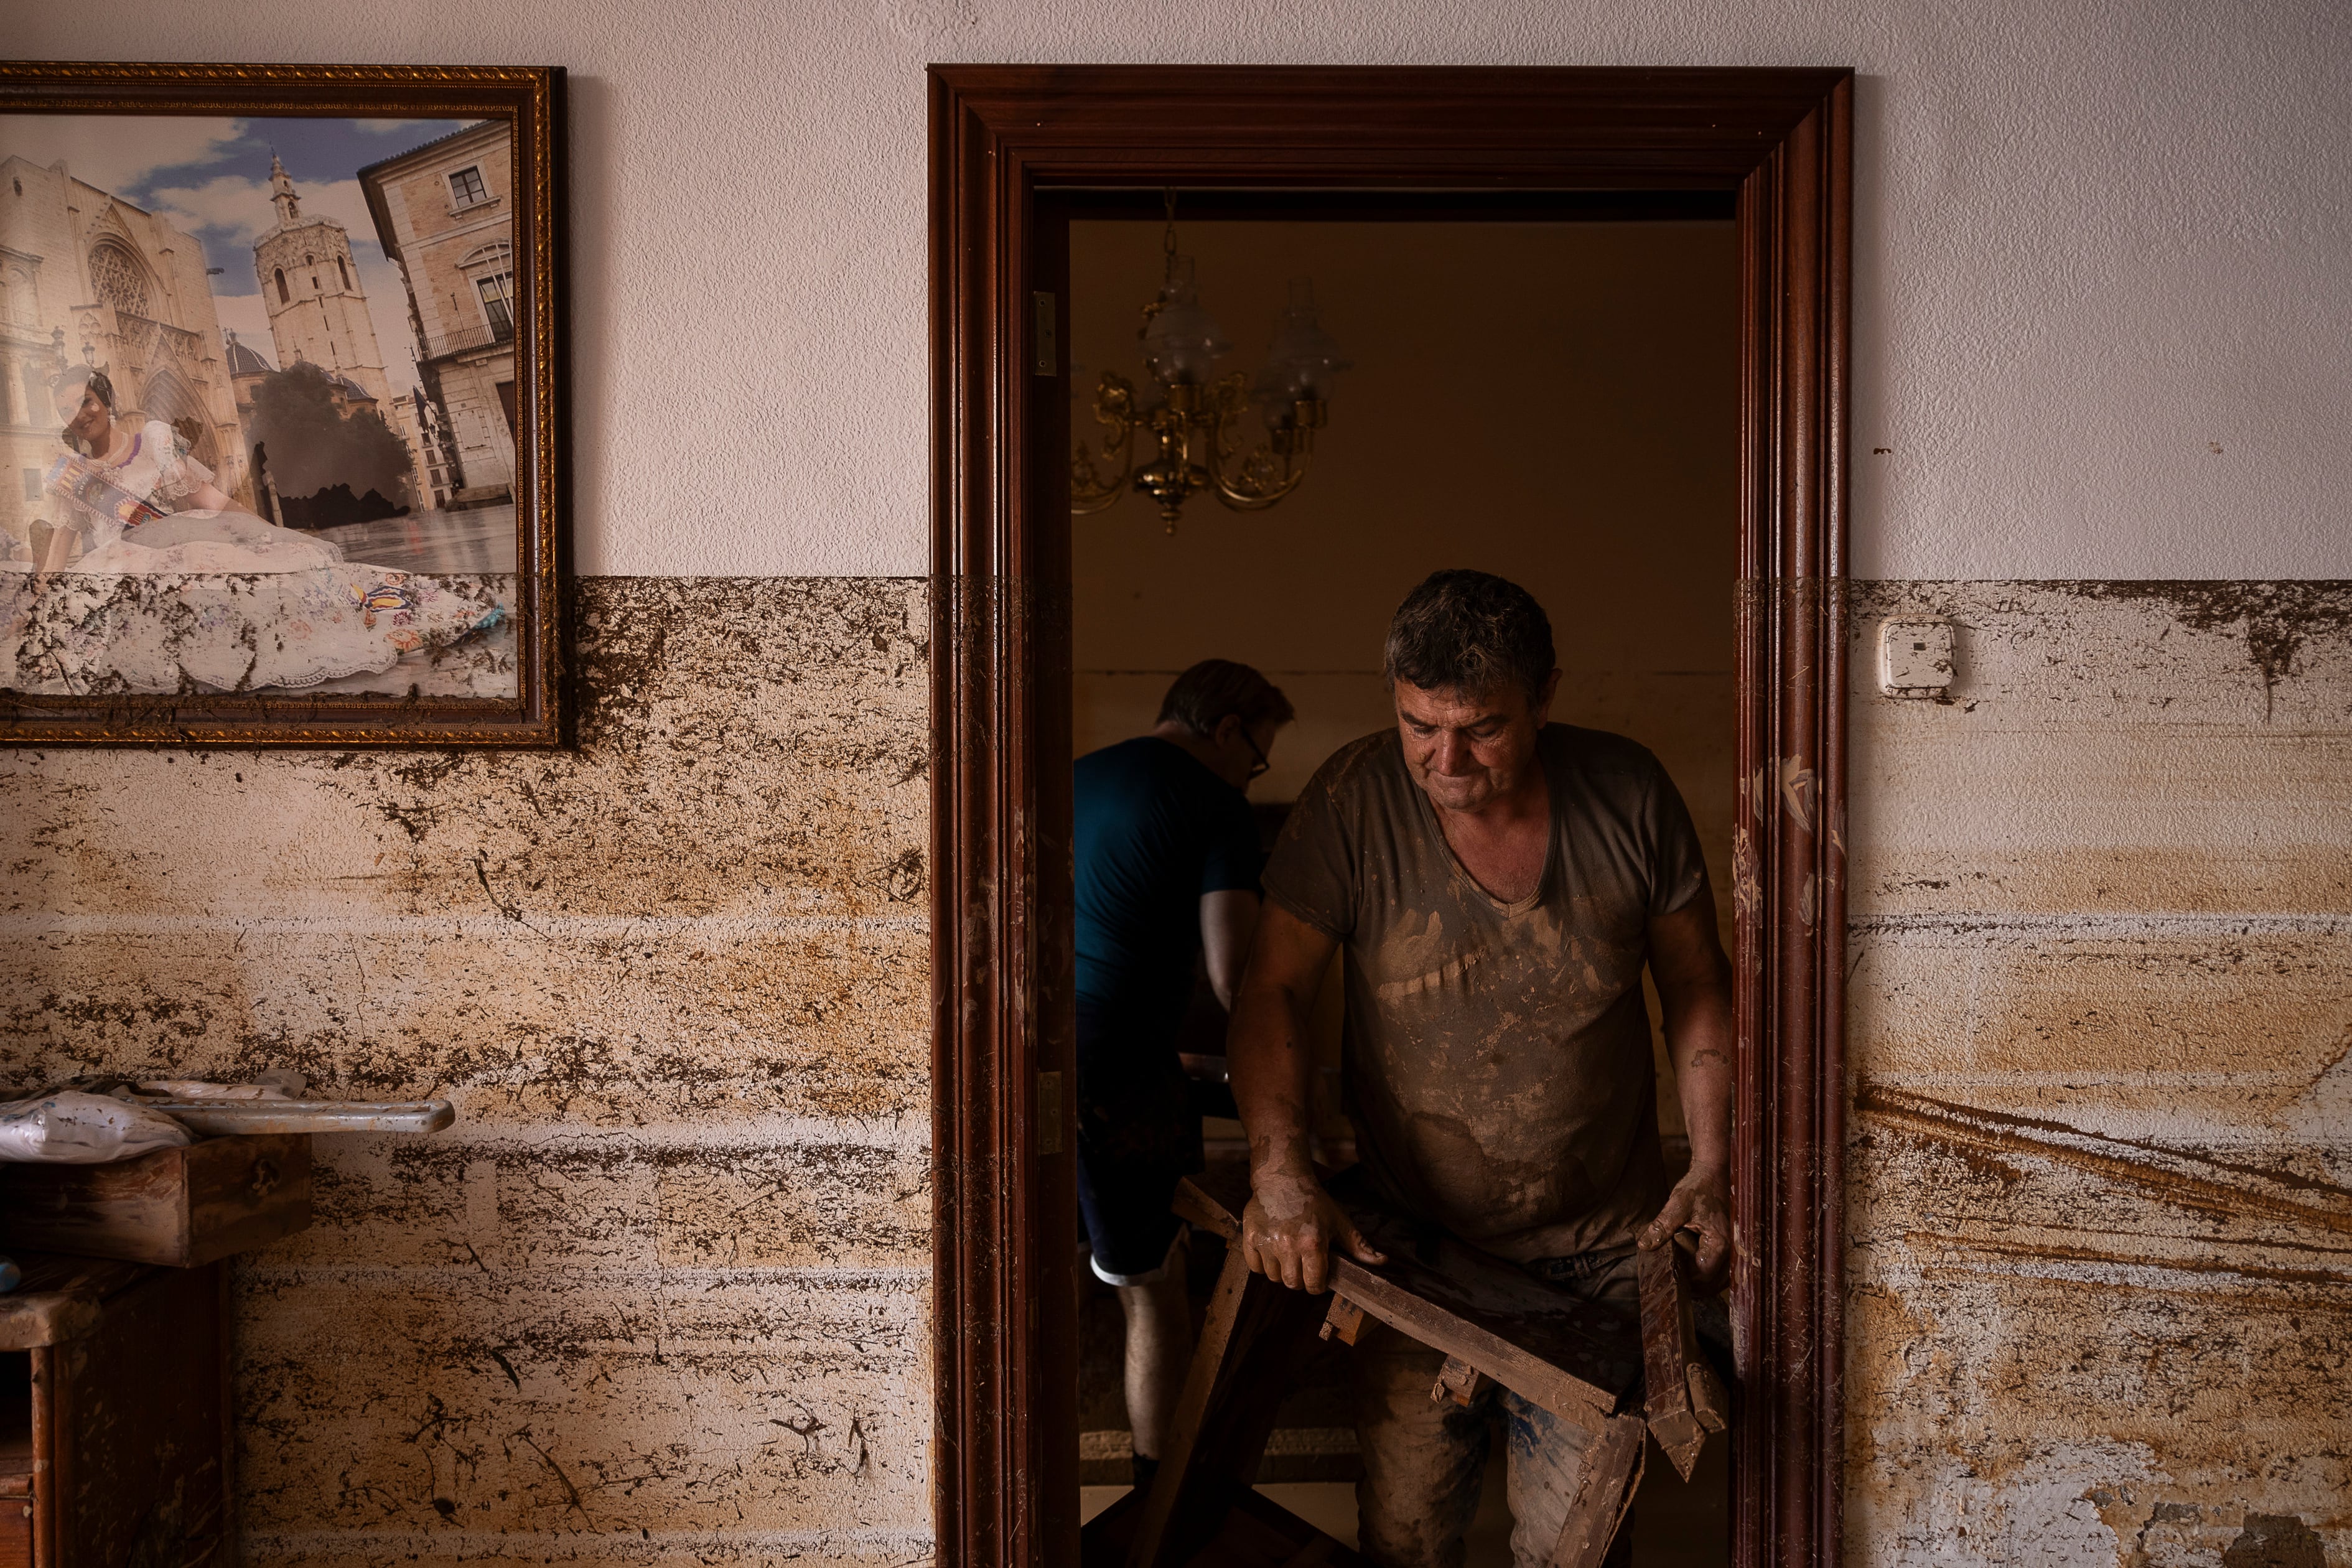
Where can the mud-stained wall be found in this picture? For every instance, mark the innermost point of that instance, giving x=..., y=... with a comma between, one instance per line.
x=2101, y=1035
x=661, y=1294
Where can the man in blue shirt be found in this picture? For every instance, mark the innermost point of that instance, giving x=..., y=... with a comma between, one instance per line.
x=1167, y=853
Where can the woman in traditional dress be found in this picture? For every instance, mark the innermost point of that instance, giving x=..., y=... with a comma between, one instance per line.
x=176, y=589
x=141, y=503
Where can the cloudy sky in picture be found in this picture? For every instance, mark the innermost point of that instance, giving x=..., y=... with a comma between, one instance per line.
x=211, y=178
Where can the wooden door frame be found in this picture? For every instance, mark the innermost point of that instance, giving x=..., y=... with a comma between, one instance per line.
x=1004, y=1456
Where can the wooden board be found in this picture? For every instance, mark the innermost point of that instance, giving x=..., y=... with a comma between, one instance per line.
x=1574, y=1359
x=1667, y=1344
x=1682, y=1399
x=185, y=1207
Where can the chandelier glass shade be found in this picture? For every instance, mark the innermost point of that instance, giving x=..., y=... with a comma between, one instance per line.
x=1199, y=434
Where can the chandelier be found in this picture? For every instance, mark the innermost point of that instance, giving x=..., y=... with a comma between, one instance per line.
x=1197, y=436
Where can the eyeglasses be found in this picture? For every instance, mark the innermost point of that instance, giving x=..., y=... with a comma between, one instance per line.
x=1259, y=766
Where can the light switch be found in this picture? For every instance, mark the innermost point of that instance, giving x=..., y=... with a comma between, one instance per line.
x=1915, y=658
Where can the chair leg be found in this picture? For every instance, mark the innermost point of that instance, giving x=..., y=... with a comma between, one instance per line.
x=1604, y=1492
x=1258, y=1331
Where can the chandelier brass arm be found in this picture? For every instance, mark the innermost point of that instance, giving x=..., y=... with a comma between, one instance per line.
x=1187, y=427
x=1114, y=411
x=1275, y=466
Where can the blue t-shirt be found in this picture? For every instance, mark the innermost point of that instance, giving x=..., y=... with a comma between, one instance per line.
x=1156, y=830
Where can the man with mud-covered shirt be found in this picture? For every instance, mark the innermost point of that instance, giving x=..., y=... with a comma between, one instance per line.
x=1499, y=883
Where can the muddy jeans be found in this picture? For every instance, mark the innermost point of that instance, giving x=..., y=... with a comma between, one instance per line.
x=1424, y=1459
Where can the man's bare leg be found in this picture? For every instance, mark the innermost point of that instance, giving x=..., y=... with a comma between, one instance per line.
x=1159, y=1353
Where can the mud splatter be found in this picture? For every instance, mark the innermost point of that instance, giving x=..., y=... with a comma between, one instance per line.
x=2274, y=1541
x=675, y=980
x=2100, y=1218
x=2274, y=618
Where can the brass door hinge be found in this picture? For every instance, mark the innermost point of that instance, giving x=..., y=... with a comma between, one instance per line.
x=1049, y=357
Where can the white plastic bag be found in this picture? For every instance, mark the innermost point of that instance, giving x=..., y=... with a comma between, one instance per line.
x=70, y=1128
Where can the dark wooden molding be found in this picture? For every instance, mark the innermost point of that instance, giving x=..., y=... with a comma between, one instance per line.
x=1005, y=142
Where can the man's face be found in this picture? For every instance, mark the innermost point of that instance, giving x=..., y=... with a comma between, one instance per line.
x=1238, y=754
x=1467, y=750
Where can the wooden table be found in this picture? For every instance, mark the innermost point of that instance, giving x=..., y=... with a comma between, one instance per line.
x=115, y=1437
x=1621, y=1381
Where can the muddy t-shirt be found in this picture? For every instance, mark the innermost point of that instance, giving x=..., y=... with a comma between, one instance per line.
x=1496, y=1057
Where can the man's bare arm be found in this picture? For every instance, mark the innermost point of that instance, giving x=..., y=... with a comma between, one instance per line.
x=1266, y=1044
x=1693, y=982
x=1291, y=1222
x=1228, y=921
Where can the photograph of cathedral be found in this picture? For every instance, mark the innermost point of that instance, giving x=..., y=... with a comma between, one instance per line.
x=267, y=346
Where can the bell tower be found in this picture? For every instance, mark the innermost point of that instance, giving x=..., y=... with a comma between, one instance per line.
x=310, y=287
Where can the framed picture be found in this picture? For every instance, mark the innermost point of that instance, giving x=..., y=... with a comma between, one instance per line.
x=281, y=405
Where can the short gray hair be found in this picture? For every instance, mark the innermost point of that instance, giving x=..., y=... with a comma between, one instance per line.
x=1470, y=632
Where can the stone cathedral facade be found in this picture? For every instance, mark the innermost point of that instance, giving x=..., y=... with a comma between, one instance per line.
x=87, y=277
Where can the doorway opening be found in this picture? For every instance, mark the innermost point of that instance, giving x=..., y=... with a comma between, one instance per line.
x=1021, y=156
x=1544, y=387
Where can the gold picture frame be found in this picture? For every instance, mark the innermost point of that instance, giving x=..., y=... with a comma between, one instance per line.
x=255, y=617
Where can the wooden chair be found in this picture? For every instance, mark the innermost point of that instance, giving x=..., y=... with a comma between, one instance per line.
x=1495, y=1323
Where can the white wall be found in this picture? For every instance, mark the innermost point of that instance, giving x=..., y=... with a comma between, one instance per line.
x=2104, y=250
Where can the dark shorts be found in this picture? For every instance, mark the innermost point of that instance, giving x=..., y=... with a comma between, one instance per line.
x=1139, y=1135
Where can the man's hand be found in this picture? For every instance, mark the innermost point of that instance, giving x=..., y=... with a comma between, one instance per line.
x=1288, y=1230
x=1700, y=1203
x=1693, y=982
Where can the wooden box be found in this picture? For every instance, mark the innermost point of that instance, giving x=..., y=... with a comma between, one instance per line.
x=184, y=1206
